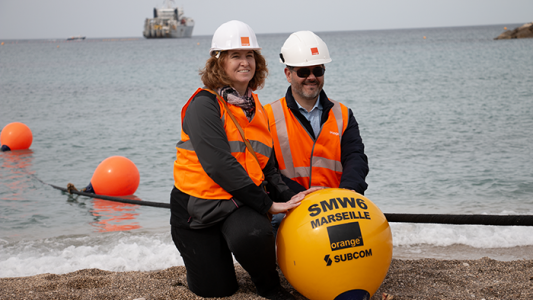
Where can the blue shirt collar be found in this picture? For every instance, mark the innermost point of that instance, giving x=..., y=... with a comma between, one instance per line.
x=318, y=105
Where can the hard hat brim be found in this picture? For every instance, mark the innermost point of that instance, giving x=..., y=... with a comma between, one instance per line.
x=307, y=64
x=213, y=50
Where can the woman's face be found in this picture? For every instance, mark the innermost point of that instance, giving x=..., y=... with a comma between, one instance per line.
x=240, y=68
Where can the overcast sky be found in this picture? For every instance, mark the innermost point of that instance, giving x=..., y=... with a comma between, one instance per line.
x=51, y=19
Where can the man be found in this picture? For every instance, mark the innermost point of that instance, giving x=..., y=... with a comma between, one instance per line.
x=316, y=139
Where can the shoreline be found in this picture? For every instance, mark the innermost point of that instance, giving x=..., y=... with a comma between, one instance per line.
x=426, y=278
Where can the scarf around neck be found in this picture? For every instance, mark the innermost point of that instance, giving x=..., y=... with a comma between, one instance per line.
x=246, y=102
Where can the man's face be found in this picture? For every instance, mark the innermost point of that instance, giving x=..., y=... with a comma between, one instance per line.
x=307, y=87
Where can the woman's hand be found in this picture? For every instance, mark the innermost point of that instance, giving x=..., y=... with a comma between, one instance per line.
x=301, y=195
x=281, y=207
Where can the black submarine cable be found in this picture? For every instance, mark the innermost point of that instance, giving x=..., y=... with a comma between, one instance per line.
x=71, y=190
x=451, y=219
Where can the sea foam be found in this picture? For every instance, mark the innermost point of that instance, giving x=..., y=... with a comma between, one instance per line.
x=120, y=251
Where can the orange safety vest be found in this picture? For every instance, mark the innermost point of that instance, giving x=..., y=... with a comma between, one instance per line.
x=190, y=177
x=311, y=163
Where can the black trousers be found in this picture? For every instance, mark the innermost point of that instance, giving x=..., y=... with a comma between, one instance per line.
x=208, y=260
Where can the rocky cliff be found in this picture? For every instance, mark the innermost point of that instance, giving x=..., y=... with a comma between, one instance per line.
x=524, y=31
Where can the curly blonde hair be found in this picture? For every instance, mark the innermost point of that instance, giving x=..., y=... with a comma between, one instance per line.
x=214, y=76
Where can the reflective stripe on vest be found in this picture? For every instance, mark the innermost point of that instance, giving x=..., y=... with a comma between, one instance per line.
x=190, y=177
x=235, y=146
x=311, y=162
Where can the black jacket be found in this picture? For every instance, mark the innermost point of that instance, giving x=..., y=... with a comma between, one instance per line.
x=206, y=131
x=353, y=159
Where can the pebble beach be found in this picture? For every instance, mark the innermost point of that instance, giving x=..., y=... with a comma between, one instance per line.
x=484, y=278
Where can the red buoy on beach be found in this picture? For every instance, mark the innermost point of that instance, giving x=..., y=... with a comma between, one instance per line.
x=115, y=176
x=16, y=136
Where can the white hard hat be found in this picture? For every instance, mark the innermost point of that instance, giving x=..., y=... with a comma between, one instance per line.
x=304, y=48
x=234, y=35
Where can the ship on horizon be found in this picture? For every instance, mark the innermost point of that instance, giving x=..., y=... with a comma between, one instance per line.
x=168, y=22
x=75, y=38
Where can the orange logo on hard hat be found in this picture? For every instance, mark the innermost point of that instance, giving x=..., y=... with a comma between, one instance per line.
x=314, y=51
x=245, y=41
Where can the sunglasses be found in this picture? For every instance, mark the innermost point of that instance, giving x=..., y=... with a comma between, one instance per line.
x=305, y=72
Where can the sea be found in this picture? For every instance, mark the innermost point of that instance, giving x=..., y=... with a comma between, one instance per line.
x=446, y=116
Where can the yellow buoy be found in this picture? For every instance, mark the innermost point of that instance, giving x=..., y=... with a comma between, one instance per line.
x=336, y=245
x=504, y=28
x=424, y=37
x=16, y=136
x=115, y=176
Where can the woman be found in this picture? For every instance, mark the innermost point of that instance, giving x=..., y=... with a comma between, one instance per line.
x=219, y=205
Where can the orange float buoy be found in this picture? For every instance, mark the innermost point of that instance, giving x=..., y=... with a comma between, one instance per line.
x=16, y=136
x=115, y=176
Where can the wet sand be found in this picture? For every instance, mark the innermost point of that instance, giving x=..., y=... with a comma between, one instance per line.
x=407, y=279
